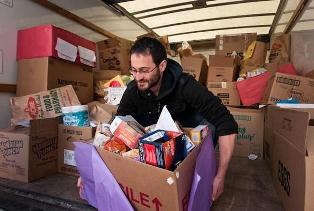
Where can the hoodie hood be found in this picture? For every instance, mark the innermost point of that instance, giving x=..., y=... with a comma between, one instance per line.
x=170, y=78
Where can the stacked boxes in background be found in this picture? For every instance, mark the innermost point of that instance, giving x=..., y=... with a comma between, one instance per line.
x=222, y=68
x=46, y=56
x=226, y=91
x=195, y=65
x=114, y=54
x=226, y=45
x=254, y=58
x=222, y=72
x=41, y=74
x=284, y=86
x=249, y=140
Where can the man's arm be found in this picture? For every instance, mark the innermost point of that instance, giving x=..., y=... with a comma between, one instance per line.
x=226, y=146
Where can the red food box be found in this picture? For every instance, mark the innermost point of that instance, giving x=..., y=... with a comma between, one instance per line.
x=165, y=152
x=127, y=129
x=48, y=40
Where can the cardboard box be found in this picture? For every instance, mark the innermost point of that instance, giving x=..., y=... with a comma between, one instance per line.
x=226, y=44
x=293, y=161
x=256, y=54
x=41, y=74
x=114, y=54
x=145, y=185
x=30, y=153
x=103, y=79
x=273, y=67
x=101, y=112
x=48, y=40
x=310, y=74
x=226, y=91
x=250, y=133
x=280, y=50
x=269, y=136
x=66, y=136
x=222, y=68
x=104, y=75
x=284, y=86
x=196, y=66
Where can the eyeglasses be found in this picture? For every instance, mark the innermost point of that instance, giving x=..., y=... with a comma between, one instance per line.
x=133, y=71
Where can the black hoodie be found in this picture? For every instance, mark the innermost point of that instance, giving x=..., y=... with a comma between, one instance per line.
x=187, y=101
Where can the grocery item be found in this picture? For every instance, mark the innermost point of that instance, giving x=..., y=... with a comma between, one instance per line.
x=42, y=105
x=166, y=151
x=115, y=145
x=76, y=116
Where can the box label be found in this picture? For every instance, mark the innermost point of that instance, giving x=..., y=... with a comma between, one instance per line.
x=42, y=149
x=284, y=177
x=243, y=135
x=10, y=147
x=69, y=158
x=288, y=81
x=142, y=198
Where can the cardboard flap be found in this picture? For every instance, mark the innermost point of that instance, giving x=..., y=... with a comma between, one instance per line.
x=87, y=54
x=293, y=125
x=44, y=126
x=310, y=138
x=221, y=61
x=66, y=50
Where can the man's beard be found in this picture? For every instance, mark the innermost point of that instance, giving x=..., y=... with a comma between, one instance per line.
x=147, y=84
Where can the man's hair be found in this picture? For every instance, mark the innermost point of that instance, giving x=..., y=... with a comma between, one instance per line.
x=148, y=45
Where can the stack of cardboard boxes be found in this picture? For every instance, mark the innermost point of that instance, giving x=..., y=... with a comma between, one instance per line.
x=114, y=54
x=282, y=135
x=224, y=66
x=48, y=58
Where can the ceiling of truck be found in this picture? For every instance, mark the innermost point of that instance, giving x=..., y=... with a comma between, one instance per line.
x=196, y=20
x=186, y=20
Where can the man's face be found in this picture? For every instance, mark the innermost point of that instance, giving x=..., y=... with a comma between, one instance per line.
x=147, y=75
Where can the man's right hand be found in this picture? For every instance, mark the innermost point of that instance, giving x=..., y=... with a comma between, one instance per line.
x=79, y=185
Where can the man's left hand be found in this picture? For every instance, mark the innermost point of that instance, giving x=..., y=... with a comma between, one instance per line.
x=218, y=187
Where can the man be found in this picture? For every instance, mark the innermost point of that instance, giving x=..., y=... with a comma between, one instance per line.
x=159, y=81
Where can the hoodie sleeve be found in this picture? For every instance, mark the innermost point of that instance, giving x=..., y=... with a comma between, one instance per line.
x=127, y=106
x=209, y=106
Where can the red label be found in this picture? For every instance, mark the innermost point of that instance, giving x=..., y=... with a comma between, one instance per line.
x=31, y=108
x=150, y=154
x=141, y=198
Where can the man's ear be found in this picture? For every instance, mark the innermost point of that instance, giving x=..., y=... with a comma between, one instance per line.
x=163, y=65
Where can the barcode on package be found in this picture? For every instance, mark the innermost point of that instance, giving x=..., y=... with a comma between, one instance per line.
x=69, y=157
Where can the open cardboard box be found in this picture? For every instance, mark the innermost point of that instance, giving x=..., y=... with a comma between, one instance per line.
x=151, y=188
x=293, y=157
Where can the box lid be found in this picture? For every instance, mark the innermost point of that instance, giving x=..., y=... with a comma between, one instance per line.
x=296, y=126
x=221, y=61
